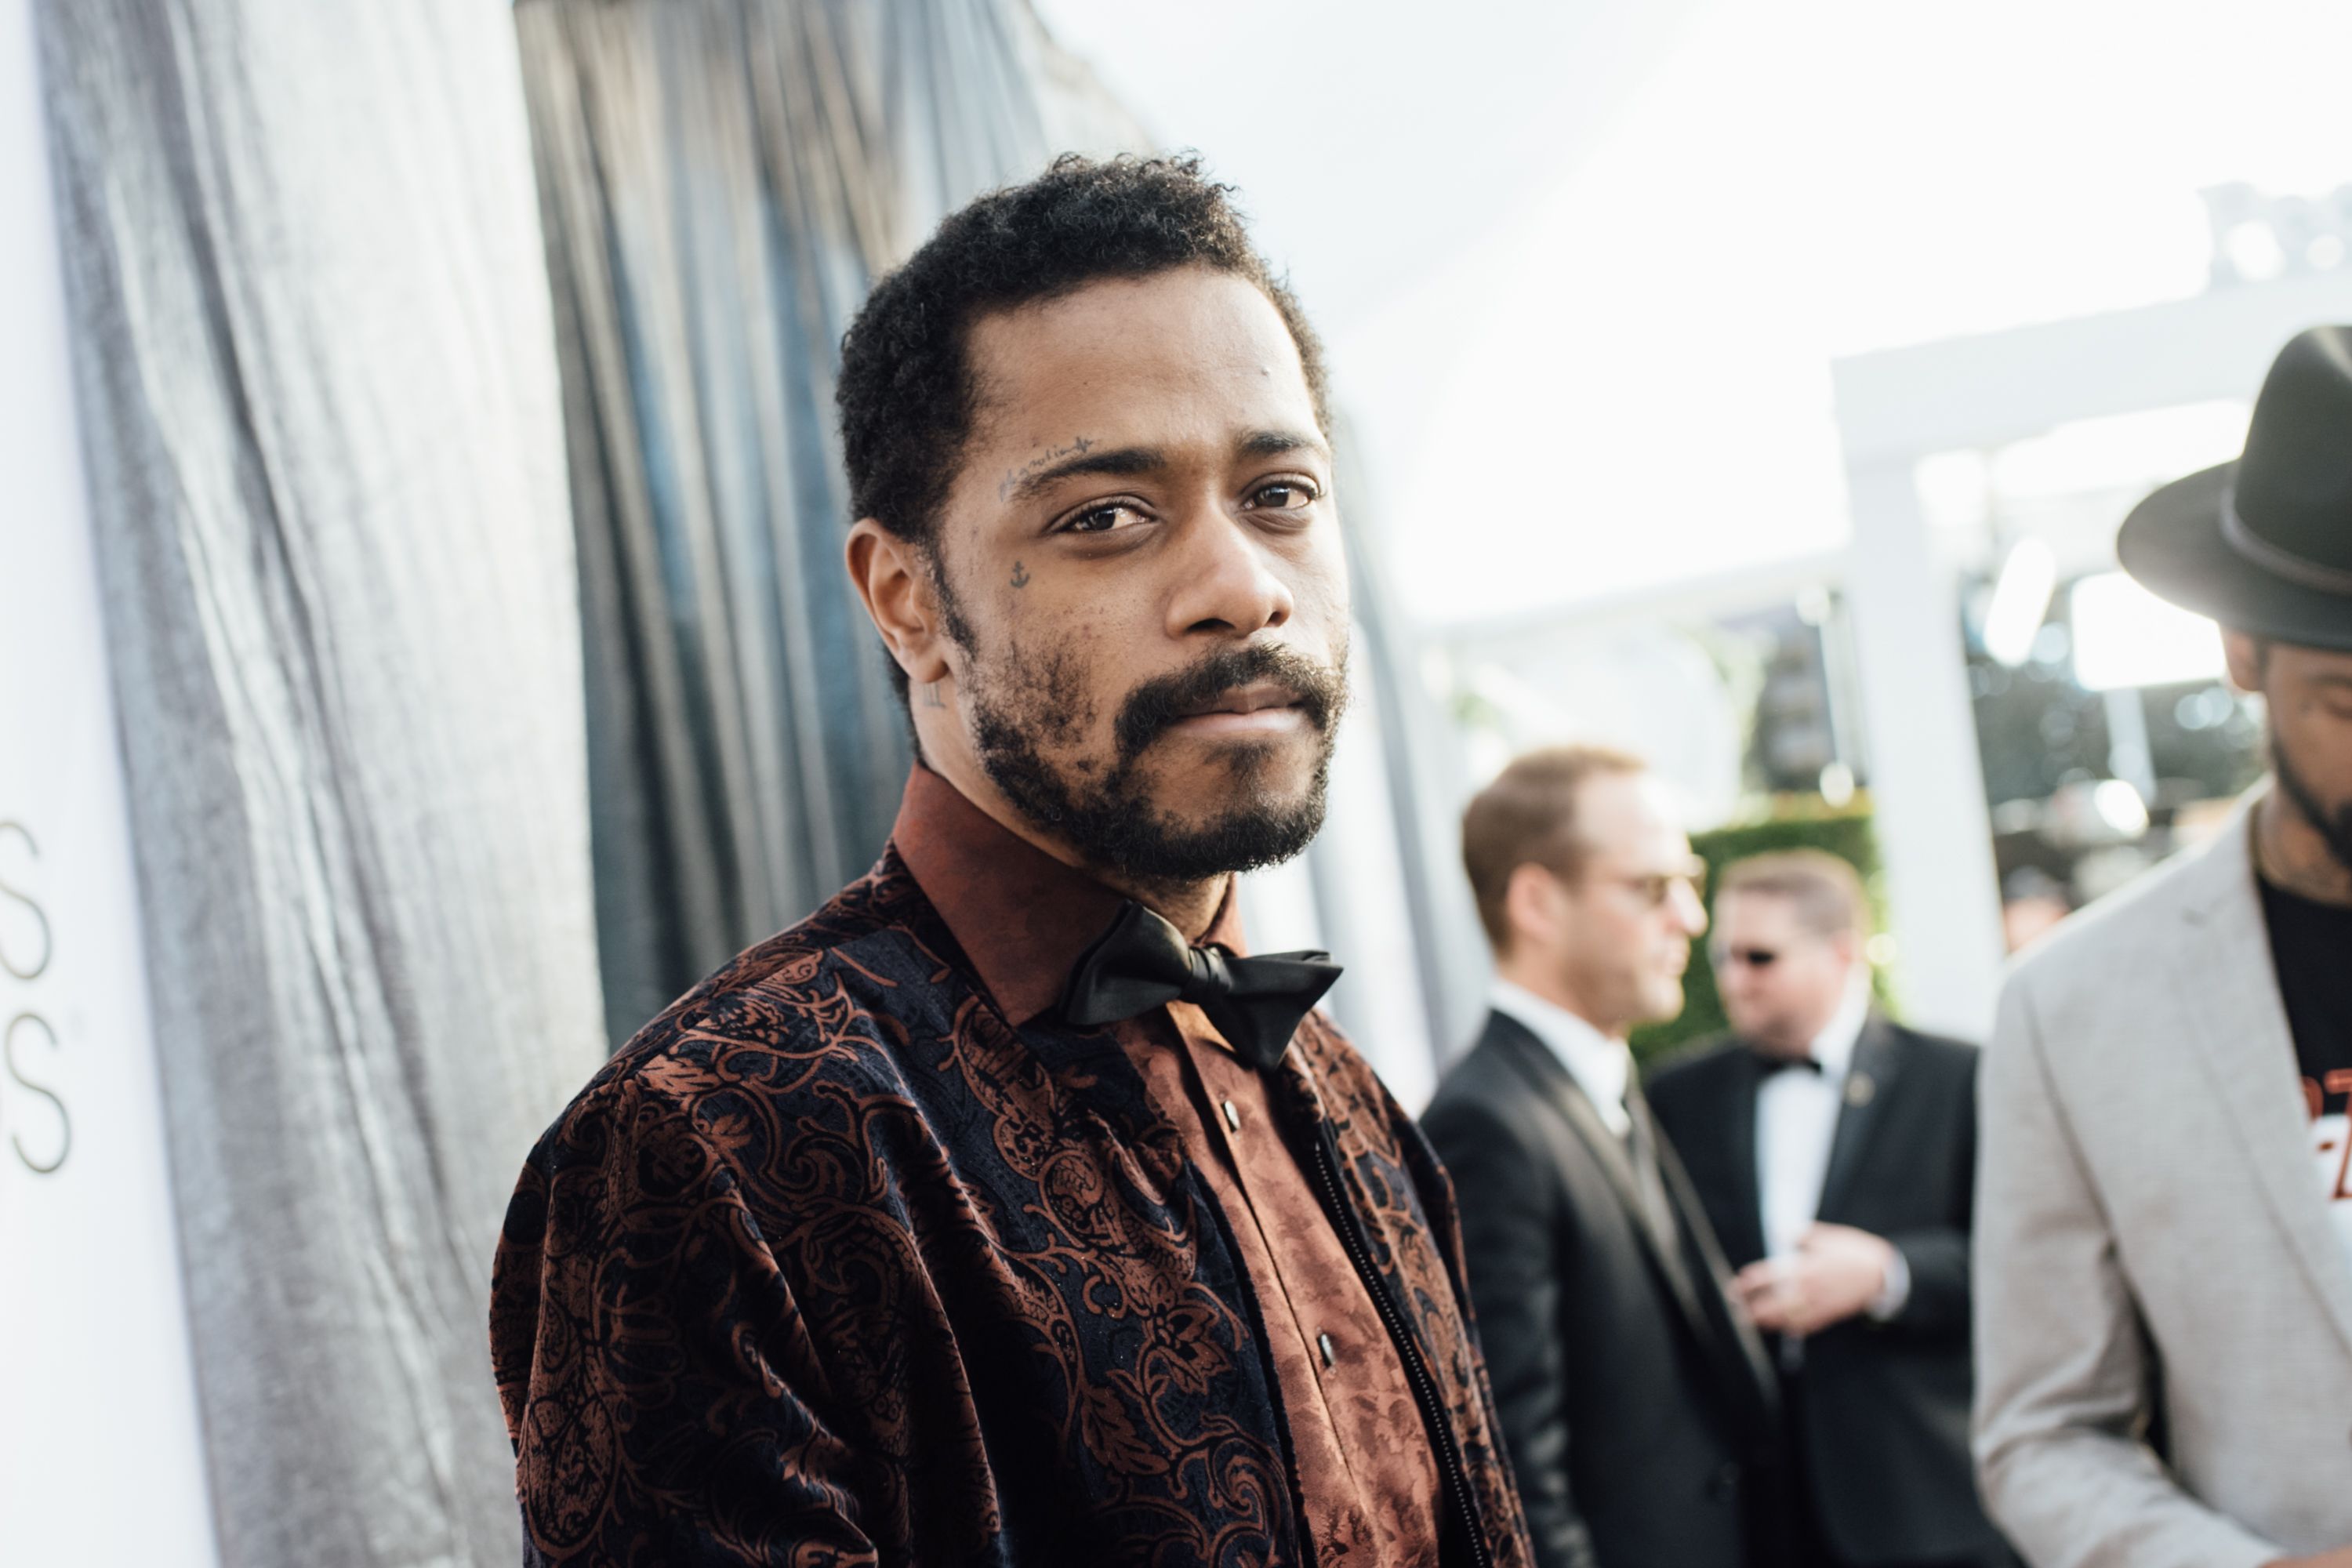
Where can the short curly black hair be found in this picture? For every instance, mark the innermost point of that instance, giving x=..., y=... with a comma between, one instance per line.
x=906, y=394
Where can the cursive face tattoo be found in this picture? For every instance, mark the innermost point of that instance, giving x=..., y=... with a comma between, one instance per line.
x=1012, y=477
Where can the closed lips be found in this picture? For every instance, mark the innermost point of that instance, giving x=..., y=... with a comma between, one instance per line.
x=1263, y=705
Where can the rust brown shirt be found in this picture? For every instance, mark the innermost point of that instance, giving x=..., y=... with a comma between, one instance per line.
x=1365, y=1471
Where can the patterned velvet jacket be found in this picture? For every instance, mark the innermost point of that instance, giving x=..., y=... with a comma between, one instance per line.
x=834, y=1265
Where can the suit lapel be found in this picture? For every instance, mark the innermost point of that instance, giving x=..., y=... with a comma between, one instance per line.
x=1869, y=1084
x=2226, y=983
x=1731, y=1328
x=1557, y=1087
x=1743, y=1081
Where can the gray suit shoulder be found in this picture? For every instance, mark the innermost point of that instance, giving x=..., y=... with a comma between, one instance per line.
x=2094, y=944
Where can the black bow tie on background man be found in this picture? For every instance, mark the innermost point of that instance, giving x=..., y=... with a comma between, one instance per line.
x=1142, y=962
x=1768, y=1064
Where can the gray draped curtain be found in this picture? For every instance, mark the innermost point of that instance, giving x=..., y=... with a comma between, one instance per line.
x=721, y=181
x=320, y=412
x=395, y=452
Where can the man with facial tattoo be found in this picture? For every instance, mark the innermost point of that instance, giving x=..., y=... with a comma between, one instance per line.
x=2163, y=1209
x=1008, y=1211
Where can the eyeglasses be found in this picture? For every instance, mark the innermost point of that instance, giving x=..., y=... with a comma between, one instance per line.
x=1655, y=888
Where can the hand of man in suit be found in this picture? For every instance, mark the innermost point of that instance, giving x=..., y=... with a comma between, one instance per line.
x=1835, y=1273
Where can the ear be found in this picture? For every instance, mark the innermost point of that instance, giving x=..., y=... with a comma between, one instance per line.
x=2247, y=656
x=1532, y=903
x=893, y=576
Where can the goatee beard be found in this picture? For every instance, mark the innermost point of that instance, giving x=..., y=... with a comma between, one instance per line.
x=2335, y=831
x=1107, y=815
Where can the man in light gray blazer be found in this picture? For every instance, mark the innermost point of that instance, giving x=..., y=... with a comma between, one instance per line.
x=2164, y=1211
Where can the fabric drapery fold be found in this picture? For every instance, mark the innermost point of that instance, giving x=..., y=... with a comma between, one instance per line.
x=310, y=332
x=721, y=181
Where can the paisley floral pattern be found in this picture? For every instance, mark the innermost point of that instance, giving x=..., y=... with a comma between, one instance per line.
x=833, y=1266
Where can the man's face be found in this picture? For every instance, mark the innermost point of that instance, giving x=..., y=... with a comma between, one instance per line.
x=1143, y=580
x=2308, y=692
x=1781, y=982
x=1629, y=914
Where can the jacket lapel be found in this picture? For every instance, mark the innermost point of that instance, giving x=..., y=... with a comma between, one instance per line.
x=2227, y=985
x=1556, y=1089
x=1742, y=1081
x=1731, y=1327
x=1869, y=1083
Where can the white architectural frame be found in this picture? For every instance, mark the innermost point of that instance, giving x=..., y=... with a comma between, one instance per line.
x=1897, y=407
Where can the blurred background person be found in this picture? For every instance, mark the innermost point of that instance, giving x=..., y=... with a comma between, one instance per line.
x=2032, y=902
x=1834, y=1151
x=1638, y=1410
x=2165, y=1293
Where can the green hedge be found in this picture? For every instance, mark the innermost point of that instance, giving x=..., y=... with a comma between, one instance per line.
x=1795, y=822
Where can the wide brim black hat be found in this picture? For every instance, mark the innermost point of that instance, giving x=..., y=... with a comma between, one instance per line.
x=2263, y=545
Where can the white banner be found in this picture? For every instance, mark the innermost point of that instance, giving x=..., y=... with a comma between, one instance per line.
x=101, y=1462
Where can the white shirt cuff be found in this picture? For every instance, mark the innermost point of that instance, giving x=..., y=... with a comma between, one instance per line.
x=1887, y=1305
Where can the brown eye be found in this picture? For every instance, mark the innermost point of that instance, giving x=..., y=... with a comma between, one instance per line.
x=1100, y=519
x=1284, y=495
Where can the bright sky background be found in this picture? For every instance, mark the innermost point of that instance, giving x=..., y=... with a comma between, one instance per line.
x=1582, y=267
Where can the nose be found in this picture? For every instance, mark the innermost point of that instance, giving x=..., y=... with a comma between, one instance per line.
x=1689, y=915
x=1226, y=583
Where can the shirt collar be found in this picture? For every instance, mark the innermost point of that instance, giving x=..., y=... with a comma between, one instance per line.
x=1020, y=915
x=1833, y=1046
x=1600, y=1064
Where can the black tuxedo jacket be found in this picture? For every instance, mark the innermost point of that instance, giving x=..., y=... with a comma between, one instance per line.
x=1641, y=1418
x=1883, y=1420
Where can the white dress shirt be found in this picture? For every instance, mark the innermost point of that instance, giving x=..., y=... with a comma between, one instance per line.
x=1601, y=1065
x=1796, y=1124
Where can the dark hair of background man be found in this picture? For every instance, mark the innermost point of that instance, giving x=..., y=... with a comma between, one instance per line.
x=1527, y=816
x=906, y=394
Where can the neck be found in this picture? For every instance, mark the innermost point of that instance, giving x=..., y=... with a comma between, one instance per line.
x=1539, y=980
x=1821, y=1021
x=2291, y=854
x=1190, y=906
x=1787, y=1048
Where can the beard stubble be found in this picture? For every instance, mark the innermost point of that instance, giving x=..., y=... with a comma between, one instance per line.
x=1104, y=808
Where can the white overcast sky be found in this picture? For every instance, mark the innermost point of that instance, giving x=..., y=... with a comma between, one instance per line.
x=1582, y=267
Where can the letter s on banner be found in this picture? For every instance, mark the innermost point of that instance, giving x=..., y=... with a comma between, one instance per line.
x=26, y=1024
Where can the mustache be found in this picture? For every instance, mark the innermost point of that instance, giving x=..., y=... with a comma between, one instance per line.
x=1157, y=704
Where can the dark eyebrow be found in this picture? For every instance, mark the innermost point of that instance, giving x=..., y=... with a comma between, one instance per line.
x=1279, y=443
x=1128, y=461
x=1119, y=460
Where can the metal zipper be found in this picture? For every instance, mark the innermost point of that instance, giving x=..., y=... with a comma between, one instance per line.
x=1424, y=1388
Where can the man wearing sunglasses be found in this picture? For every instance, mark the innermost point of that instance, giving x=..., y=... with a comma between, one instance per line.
x=1834, y=1151
x=1636, y=1407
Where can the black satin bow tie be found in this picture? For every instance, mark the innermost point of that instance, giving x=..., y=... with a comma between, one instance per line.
x=1142, y=962
x=1770, y=1065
